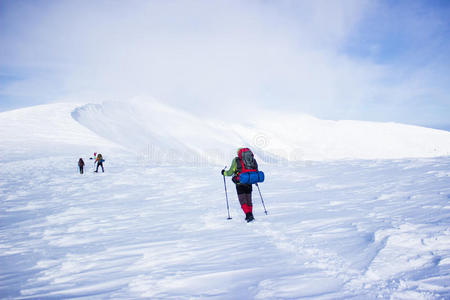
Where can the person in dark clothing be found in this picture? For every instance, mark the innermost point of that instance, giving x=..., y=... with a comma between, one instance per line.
x=81, y=165
x=244, y=191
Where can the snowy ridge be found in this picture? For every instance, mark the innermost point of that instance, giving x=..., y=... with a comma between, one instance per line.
x=46, y=131
x=158, y=132
x=143, y=124
x=314, y=139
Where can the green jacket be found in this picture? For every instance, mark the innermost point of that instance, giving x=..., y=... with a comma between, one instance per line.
x=233, y=169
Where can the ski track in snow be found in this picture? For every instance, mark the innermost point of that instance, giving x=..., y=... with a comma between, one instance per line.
x=349, y=229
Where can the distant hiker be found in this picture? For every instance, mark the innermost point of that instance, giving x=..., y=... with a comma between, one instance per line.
x=81, y=165
x=99, y=160
x=244, y=162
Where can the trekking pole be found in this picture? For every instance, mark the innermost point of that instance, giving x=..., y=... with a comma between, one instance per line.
x=226, y=195
x=265, y=211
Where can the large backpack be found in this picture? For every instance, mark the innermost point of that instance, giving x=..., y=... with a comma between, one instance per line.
x=247, y=167
x=246, y=161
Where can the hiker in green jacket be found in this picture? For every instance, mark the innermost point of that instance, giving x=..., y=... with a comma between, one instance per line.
x=244, y=191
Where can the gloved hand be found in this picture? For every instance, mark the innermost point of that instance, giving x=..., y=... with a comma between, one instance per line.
x=222, y=172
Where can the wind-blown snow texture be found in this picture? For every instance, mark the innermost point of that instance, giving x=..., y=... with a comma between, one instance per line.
x=154, y=229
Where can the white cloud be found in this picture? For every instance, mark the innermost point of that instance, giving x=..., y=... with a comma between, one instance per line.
x=197, y=54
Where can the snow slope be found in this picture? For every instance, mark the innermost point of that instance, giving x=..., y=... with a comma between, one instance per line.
x=161, y=133
x=157, y=131
x=143, y=124
x=46, y=131
x=154, y=226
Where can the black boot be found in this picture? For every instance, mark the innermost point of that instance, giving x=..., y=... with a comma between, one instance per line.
x=249, y=217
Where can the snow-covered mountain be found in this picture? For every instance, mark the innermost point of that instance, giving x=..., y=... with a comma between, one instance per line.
x=46, y=131
x=160, y=132
x=154, y=225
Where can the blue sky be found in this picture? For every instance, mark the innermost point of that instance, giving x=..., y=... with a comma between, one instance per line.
x=367, y=60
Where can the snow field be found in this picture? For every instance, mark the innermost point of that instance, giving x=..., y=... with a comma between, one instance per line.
x=154, y=224
x=364, y=229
